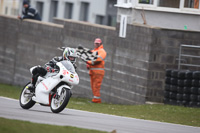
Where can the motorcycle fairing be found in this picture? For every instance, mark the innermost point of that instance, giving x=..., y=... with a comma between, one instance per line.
x=43, y=89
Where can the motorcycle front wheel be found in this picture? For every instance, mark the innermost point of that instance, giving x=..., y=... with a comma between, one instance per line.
x=58, y=103
x=25, y=99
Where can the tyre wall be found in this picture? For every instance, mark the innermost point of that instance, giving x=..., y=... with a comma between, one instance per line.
x=182, y=88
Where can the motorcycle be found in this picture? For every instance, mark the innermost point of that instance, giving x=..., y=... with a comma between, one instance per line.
x=54, y=89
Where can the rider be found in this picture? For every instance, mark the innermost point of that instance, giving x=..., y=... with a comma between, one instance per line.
x=68, y=54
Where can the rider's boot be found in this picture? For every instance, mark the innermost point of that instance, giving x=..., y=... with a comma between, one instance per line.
x=33, y=82
x=32, y=88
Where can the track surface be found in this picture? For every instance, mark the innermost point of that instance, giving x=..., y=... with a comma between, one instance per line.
x=10, y=108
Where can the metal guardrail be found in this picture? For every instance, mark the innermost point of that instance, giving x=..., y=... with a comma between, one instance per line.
x=186, y=55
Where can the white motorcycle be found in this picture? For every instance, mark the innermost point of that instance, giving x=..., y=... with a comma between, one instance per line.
x=54, y=89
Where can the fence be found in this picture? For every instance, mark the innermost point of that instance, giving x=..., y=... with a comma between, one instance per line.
x=182, y=55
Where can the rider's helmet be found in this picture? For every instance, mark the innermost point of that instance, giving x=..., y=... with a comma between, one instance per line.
x=70, y=54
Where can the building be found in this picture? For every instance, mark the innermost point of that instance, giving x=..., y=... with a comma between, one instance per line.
x=172, y=14
x=9, y=7
x=93, y=11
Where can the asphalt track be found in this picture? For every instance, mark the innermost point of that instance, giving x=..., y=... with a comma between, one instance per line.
x=10, y=108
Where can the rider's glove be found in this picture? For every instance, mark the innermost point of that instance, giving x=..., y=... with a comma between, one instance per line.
x=49, y=69
x=52, y=70
x=51, y=63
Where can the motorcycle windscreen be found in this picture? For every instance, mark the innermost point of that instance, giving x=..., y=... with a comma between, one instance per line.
x=68, y=65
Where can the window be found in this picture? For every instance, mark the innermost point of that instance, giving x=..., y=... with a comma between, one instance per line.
x=178, y=6
x=146, y=1
x=169, y=3
x=161, y=3
x=191, y=4
x=99, y=19
x=6, y=10
x=53, y=10
x=84, y=11
x=68, y=10
x=39, y=7
x=112, y=20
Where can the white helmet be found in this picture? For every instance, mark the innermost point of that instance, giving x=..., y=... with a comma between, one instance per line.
x=70, y=54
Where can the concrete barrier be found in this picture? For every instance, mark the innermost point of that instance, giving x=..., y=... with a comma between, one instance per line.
x=135, y=66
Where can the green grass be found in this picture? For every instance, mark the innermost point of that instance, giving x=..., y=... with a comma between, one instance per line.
x=10, y=91
x=156, y=112
x=16, y=126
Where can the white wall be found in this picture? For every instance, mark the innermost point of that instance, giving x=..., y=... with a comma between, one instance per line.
x=168, y=20
x=173, y=18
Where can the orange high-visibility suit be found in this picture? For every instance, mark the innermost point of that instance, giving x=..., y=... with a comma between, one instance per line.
x=96, y=72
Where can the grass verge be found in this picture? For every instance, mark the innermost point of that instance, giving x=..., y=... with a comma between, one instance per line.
x=157, y=112
x=16, y=126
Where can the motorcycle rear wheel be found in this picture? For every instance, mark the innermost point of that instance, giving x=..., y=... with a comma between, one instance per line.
x=58, y=103
x=25, y=99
